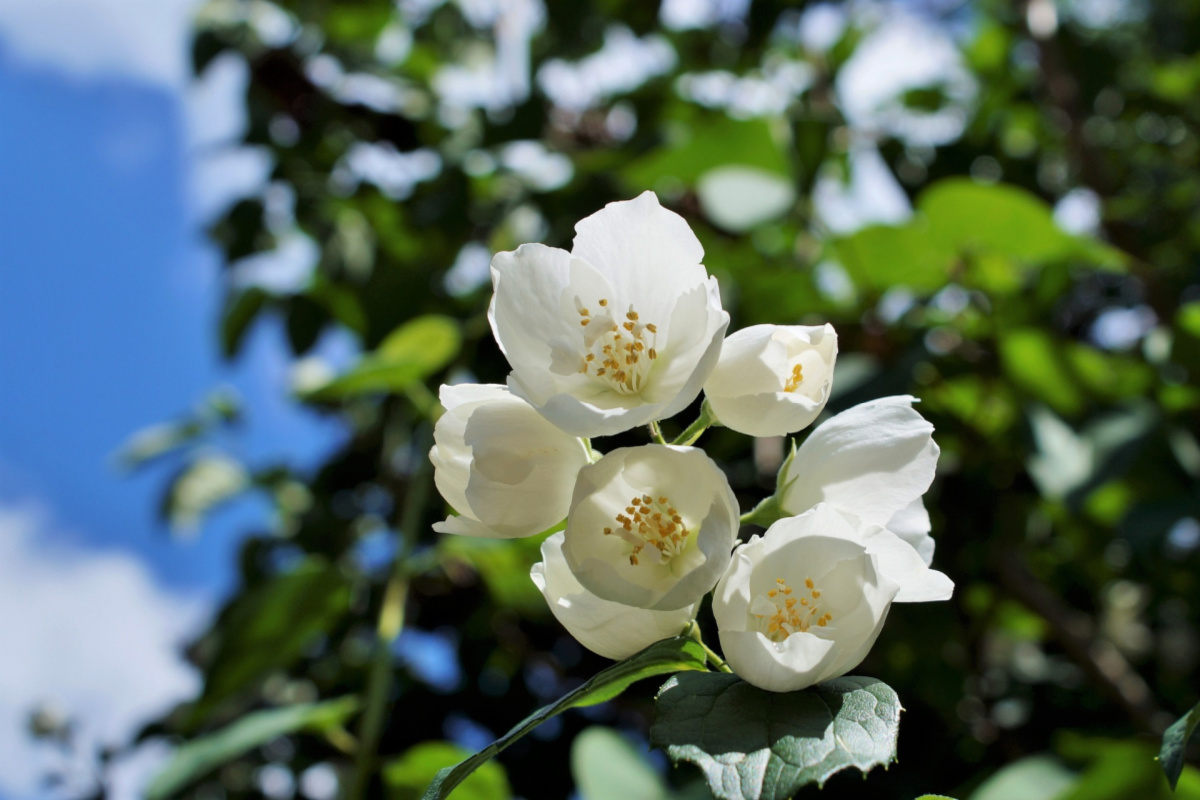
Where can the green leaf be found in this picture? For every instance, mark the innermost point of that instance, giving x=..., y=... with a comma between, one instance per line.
x=407, y=776
x=757, y=745
x=739, y=198
x=669, y=655
x=965, y=216
x=411, y=353
x=1174, y=744
x=197, y=758
x=1034, y=362
x=708, y=143
x=269, y=627
x=241, y=309
x=935, y=797
x=504, y=565
x=1038, y=777
x=606, y=767
x=207, y=482
x=1185, y=344
x=880, y=257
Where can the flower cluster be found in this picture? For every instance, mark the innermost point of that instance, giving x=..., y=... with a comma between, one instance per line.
x=625, y=330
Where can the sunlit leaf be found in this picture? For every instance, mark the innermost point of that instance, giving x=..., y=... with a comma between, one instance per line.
x=705, y=144
x=1040, y=777
x=606, y=767
x=1034, y=361
x=739, y=198
x=201, y=486
x=407, y=776
x=409, y=354
x=880, y=257
x=753, y=744
x=198, y=757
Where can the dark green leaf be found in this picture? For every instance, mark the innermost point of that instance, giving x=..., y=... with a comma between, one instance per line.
x=757, y=745
x=197, y=758
x=669, y=655
x=269, y=627
x=411, y=353
x=1174, y=744
x=407, y=776
x=241, y=309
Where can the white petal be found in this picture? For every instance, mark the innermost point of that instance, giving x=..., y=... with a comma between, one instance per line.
x=613, y=630
x=826, y=546
x=648, y=253
x=525, y=312
x=871, y=460
x=693, y=484
x=506, y=470
x=912, y=524
x=748, y=389
x=902, y=564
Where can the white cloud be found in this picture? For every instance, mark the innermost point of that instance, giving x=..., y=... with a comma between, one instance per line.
x=141, y=39
x=904, y=54
x=870, y=195
x=624, y=63
x=92, y=633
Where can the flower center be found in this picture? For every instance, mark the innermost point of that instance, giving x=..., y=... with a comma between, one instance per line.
x=619, y=353
x=654, y=523
x=784, y=612
x=797, y=377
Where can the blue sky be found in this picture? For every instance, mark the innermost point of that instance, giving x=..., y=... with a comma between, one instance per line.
x=109, y=298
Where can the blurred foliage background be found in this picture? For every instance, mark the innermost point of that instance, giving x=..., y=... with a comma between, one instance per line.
x=996, y=204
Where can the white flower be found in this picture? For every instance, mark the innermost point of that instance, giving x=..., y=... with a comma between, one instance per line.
x=874, y=461
x=651, y=526
x=506, y=470
x=610, y=629
x=621, y=331
x=773, y=380
x=912, y=524
x=801, y=604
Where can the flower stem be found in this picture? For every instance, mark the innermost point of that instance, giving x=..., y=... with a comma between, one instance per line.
x=592, y=455
x=693, y=432
x=764, y=513
x=656, y=433
x=389, y=626
x=693, y=630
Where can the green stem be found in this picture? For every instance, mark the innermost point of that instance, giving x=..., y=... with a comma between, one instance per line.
x=693, y=432
x=764, y=513
x=592, y=455
x=389, y=626
x=656, y=433
x=693, y=630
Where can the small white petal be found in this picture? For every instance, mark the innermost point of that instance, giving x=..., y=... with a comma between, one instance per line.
x=872, y=460
x=568, y=321
x=754, y=387
x=505, y=469
x=848, y=591
x=610, y=629
x=624, y=565
x=912, y=524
